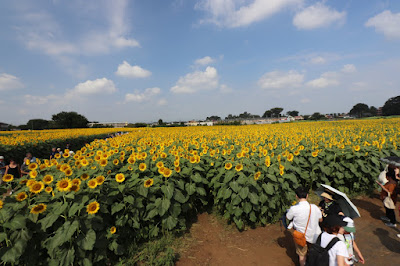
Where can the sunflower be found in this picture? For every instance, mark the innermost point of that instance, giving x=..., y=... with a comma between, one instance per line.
x=149, y=182
x=36, y=187
x=33, y=174
x=116, y=162
x=167, y=172
x=268, y=161
x=281, y=172
x=8, y=178
x=38, y=208
x=93, y=207
x=120, y=177
x=281, y=167
x=257, y=175
x=64, y=184
x=47, y=179
x=32, y=166
x=23, y=181
x=92, y=183
x=296, y=152
x=76, y=181
x=357, y=148
x=239, y=167
x=131, y=160
x=30, y=182
x=314, y=153
x=130, y=168
x=84, y=162
x=177, y=169
x=48, y=189
x=160, y=164
x=103, y=162
x=68, y=172
x=21, y=196
x=228, y=166
x=75, y=188
x=100, y=179
x=1, y=204
x=113, y=229
x=142, y=167
x=290, y=157
x=161, y=170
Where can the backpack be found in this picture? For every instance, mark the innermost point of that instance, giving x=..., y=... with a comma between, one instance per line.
x=317, y=255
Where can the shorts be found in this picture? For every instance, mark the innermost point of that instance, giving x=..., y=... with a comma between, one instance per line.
x=301, y=251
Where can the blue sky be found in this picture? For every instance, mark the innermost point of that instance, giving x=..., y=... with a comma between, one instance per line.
x=138, y=61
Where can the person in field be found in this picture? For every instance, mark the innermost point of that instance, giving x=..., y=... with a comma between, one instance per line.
x=390, y=188
x=29, y=158
x=13, y=169
x=53, y=153
x=304, y=213
x=348, y=238
x=2, y=166
x=333, y=226
x=329, y=206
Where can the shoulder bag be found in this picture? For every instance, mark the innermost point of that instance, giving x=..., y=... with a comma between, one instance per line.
x=300, y=238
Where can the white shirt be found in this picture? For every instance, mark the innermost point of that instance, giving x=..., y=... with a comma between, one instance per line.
x=348, y=241
x=299, y=214
x=339, y=249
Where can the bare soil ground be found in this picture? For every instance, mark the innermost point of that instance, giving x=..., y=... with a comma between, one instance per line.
x=212, y=242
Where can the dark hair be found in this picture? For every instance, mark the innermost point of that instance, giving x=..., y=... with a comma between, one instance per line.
x=301, y=192
x=331, y=229
x=391, y=173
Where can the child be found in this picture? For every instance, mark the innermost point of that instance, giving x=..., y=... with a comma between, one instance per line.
x=348, y=238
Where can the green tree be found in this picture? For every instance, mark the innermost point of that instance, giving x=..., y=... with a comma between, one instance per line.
x=69, y=120
x=267, y=113
x=317, y=116
x=276, y=112
x=36, y=124
x=292, y=113
x=373, y=110
x=359, y=110
x=392, y=106
x=213, y=118
x=160, y=122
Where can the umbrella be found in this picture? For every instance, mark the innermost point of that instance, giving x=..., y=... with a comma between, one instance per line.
x=348, y=208
x=393, y=160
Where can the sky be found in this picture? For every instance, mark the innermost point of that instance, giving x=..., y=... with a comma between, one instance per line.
x=140, y=61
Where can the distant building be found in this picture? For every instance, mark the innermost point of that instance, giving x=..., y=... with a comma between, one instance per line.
x=380, y=113
x=113, y=124
x=192, y=123
x=4, y=126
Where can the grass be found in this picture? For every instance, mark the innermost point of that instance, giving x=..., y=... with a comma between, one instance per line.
x=161, y=251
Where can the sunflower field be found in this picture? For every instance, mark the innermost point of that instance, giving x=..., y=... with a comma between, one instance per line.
x=15, y=144
x=87, y=208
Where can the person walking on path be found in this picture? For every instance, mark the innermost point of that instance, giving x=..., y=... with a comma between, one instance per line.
x=306, y=218
x=389, y=189
x=348, y=238
x=333, y=225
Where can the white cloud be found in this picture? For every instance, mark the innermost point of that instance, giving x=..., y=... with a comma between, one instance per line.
x=39, y=100
x=126, y=70
x=239, y=13
x=9, y=82
x=144, y=96
x=39, y=30
x=280, y=80
x=318, y=60
x=318, y=16
x=207, y=60
x=387, y=23
x=327, y=79
x=197, y=81
x=225, y=88
x=349, y=68
x=162, y=102
x=98, y=86
x=305, y=100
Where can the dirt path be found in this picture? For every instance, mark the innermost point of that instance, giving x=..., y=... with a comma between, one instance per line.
x=213, y=242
